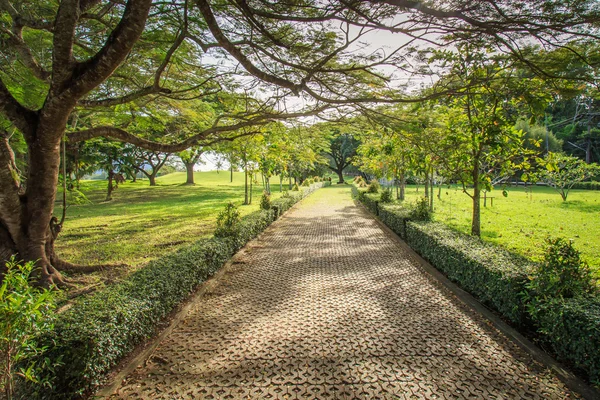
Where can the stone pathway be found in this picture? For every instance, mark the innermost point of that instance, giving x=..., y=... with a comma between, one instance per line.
x=326, y=306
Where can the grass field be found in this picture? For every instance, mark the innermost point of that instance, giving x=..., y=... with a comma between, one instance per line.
x=143, y=222
x=521, y=221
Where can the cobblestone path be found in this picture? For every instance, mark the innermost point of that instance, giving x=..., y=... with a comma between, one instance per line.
x=326, y=306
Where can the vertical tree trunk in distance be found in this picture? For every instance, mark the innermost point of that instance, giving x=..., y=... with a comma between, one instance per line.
x=402, y=185
x=246, y=197
x=340, y=174
x=231, y=176
x=189, y=168
x=476, y=223
x=111, y=186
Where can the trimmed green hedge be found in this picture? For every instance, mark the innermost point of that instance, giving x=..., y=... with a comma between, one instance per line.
x=99, y=330
x=395, y=217
x=492, y=274
x=498, y=278
x=571, y=327
x=593, y=185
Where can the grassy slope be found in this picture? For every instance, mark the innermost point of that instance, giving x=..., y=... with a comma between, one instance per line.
x=143, y=222
x=521, y=221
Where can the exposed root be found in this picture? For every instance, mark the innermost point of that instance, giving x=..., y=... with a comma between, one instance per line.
x=85, y=290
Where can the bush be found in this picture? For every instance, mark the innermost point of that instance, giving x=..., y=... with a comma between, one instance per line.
x=295, y=188
x=305, y=183
x=26, y=312
x=265, y=201
x=386, y=196
x=492, y=274
x=571, y=327
x=420, y=211
x=562, y=274
x=374, y=186
x=563, y=303
x=593, y=185
x=395, y=217
x=227, y=221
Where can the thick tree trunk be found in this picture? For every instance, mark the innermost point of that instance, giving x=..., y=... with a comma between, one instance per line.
x=152, y=178
x=189, y=168
x=340, y=174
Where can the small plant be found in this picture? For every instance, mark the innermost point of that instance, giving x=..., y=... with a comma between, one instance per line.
x=295, y=188
x=386, y=196
x=265, y=201
x=562, y=273
x=420, y=210
x=362, y=184
x=285, y=194
x=26, y=312
x=374, y=187
x=305, y=183
x=227, y=221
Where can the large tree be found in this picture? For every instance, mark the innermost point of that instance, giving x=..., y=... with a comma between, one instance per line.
x=59, y=57
x=342, y=148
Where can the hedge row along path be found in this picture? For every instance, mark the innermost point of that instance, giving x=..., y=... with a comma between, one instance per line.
x=325, y=305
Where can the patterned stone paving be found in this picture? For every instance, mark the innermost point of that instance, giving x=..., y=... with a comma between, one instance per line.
x=326, y=306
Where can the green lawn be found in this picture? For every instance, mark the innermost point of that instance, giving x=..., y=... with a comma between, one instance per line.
x=143, y=222
x=521, y=221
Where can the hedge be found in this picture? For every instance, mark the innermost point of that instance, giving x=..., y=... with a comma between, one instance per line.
x=570, y=327
x=491, y=273
x=395, y=217
x=94, y=334
x=593, y=185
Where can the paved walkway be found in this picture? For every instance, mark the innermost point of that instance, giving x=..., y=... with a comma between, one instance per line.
x=326, y=306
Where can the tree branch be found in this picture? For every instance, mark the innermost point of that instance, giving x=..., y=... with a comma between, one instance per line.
x=21, y=117
x=237, y=53
x=124, y=99
x=89, y=74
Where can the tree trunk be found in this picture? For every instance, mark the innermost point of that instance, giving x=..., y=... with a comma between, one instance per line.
x=280, y=183
x=189, y=168
x=152, y=178
x=340, y=173
x=251, y=183
x=231, y=176
x=402, y=186
x=427, y=185
x=431, y=192
x=246, y=197
x=110, y=187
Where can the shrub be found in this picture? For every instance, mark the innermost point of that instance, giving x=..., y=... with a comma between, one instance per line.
x=395, y=217
x=420, y=211
x=305, y=183
x=26, y=312
x=265, y=201
x=386, y=196
x=227, y=221
x=374, y=186
x=571, y=327
x=492, y=274
x=295, y=188
x=562, y=272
